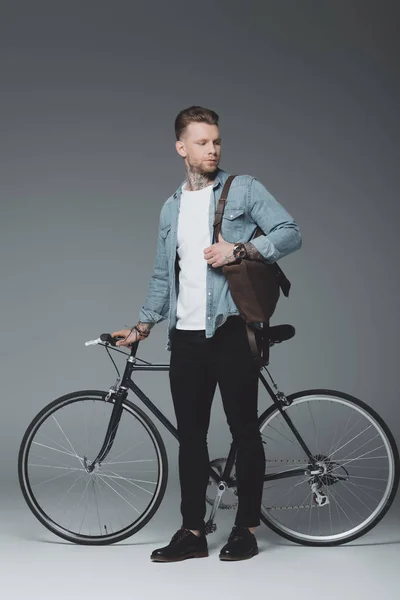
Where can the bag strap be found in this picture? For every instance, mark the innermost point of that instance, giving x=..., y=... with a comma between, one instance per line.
x=221, y=206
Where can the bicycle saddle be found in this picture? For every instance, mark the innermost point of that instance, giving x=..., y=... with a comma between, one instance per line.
x=280, y=333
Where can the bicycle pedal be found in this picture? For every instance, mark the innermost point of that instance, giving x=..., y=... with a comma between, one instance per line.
x=210, y=528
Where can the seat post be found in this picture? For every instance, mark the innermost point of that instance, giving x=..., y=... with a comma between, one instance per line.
x=280, y=396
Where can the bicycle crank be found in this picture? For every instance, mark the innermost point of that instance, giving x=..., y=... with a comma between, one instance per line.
x=230, y=485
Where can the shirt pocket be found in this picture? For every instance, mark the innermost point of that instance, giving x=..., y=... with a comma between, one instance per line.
x=233, y=224
x=164, y=231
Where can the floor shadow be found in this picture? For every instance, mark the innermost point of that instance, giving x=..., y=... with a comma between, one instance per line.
x=264, y=542
x=62, y=542
x=344, y=545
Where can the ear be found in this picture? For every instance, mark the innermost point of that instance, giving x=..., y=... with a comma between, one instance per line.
x=180, y=148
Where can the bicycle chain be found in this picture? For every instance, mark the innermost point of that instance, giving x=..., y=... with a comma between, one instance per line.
x=295, y=507
x=291, y=507
x=293, y=460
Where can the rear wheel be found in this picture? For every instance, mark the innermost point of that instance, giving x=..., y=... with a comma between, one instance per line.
x=358, y=458
x=115, y=500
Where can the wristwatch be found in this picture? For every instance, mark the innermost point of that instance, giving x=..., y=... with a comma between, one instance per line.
x=239, y=250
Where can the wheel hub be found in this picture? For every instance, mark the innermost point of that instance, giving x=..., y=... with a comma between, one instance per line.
x=328, y=470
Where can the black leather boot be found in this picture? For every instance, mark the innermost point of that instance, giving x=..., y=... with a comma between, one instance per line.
x=184, y=544
x=241, y=544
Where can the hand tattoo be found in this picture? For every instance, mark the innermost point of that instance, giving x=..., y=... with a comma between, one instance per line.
x=228, y=258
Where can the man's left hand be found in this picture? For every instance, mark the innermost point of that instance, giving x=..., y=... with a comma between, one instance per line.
x=219, y=254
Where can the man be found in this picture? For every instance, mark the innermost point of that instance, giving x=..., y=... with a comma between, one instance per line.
x=206, y=334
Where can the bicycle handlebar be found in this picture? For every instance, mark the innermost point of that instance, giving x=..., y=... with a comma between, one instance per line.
x=107, y=338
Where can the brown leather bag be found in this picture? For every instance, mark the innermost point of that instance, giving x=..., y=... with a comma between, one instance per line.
x=255, y=289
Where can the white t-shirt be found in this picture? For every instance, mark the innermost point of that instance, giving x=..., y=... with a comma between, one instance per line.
x=192, y=237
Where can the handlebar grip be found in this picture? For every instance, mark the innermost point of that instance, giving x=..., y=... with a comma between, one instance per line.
x=107, y=337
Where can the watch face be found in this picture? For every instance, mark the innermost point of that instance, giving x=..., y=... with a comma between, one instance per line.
x=239, y=251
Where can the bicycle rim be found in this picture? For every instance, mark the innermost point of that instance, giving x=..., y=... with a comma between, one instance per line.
x=359, y=459
x=113, y=501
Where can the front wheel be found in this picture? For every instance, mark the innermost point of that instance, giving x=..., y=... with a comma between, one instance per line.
x=119, y=496
x=358, y=469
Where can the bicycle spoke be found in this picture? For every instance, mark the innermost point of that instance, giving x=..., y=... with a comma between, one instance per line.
x=71, y=446
x=315, y=429
x=116, y=476
x=112, y=462
x=284, y=436
x=117, y=493
x=362, y=446
x=342, y=437
x=57, y=450
x=347, y=462
x=104, y=499
x=51, y=479
x=349, y=441
x=57, y=444
x=355, y=464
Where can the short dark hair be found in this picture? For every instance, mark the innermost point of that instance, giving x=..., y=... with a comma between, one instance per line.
x=196, y=114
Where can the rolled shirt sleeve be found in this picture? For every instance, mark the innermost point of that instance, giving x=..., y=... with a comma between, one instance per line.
x=282, y=234
x=156, y=306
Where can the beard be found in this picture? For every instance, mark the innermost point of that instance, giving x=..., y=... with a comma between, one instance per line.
x=201, y=174
x=208, y=170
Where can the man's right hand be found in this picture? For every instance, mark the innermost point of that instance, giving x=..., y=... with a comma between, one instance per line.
x=129, y=336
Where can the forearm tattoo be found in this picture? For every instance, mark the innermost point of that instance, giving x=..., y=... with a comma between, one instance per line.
x=252, y=252
x=144, y=327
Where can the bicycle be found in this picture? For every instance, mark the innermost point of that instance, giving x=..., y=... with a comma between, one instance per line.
x=93, y=467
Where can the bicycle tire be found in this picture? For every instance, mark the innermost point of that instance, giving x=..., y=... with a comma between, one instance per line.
x=351, y=400
x=26, y=489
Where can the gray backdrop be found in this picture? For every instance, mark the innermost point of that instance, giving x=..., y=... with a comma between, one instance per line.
x=308, y=95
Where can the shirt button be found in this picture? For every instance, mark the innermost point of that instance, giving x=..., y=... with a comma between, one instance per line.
x=231, y=216
x=209, y=293
x=209, y=318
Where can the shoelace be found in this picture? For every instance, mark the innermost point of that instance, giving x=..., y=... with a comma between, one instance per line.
x=180, y=535
x=238, y=532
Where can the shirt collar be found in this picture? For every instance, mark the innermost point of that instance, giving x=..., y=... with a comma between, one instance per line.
x=219, y=178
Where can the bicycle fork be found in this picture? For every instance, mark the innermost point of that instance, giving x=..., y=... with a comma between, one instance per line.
x=120, y=395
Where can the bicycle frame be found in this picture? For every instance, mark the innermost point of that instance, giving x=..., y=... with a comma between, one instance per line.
x=120, y=392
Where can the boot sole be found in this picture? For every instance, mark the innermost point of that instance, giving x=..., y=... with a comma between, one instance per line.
x=184, y=557
x=232, y=558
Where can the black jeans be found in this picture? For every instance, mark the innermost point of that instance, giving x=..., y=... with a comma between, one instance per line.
x=197, y=364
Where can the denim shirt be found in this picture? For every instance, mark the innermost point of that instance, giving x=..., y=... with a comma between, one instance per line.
x=248, y=204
